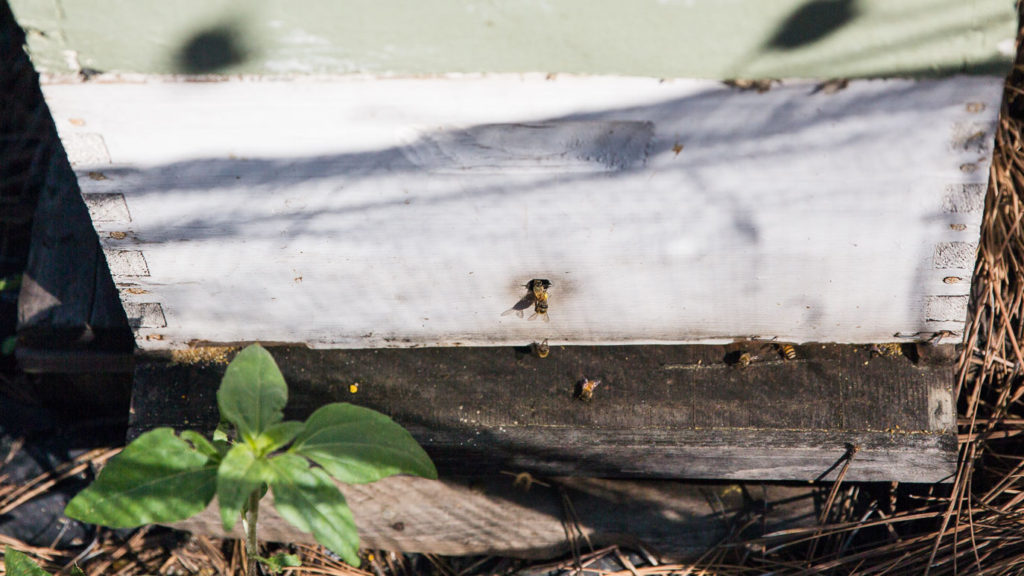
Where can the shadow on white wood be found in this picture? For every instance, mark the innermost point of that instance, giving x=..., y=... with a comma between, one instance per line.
x=358, y=212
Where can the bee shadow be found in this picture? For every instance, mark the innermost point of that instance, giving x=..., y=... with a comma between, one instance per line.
x=522, y=351
x=524, y=303
x=733, y=358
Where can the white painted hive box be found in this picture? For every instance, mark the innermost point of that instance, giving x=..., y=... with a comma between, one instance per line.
x=378, y=211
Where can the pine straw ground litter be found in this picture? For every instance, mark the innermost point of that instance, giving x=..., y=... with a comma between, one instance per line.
x=973, y=526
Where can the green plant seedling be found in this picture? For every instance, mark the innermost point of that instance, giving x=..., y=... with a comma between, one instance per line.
x=165, y=477
x=19, y=564
x=278, y=562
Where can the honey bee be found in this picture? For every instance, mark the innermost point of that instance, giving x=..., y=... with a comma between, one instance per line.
x=787, y=351
x=744, y=360
x=936, y=337
x=541, y=350
x=586, y=390
x=887, y=350
x=524, y=480
x=831, y=86
x=540, y=308
x=539, y=287
x=744, y=84
x=536, y=296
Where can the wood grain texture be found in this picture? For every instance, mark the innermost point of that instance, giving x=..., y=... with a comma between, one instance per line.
x=489, y=515
x=405, y=212
x=659, y=412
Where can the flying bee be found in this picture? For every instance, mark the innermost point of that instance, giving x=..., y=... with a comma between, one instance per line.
x=541, y=350
x=787, y=351
x=586, y=389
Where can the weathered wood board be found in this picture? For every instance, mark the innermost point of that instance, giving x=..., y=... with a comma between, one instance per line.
x=404, y=212
x=490, y=515
x=660, y=411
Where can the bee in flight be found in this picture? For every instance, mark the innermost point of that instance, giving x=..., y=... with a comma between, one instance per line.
x=586, y=390
x=536, y=296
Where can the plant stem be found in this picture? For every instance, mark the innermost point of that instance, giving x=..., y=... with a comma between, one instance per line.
x=249, y=519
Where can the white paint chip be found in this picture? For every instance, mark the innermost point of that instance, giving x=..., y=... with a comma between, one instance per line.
x=85, y=149
x=955, y=255
x=946, y=308
x=126, y=263
x=145, y=315
x=964, y=198
x=107, y=207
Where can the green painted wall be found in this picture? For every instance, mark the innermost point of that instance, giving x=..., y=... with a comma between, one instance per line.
x=661, y=38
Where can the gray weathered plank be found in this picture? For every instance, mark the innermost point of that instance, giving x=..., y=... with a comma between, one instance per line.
x=660, y=412
x=489, y=515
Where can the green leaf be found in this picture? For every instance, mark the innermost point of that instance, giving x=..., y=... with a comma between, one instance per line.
x=157, y=478
x=223, y=431
x=8, y=345
x=19, y=564
x=76, y=571
x=252, y=393
x=308, y=499
x=277, y=436
x=358, y=445
x=279, y=561
x=240, y=474
x=12, y=283
x=202, y=445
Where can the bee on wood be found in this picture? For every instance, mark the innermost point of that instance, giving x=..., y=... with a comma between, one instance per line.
x=586, y=389
x=831, y=86
x=524, y=480
x=541, y=350
x=787, y=351
x=887, y=350
x=540, y=308
x=539, y=288
x=742, y=358
x=745, y=84
x=536, y=296
x=936, y=337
